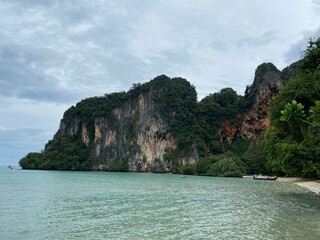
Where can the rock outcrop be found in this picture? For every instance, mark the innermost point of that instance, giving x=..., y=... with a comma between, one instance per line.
x=266, y=85
x=139, y=135
x=135, y=132
x=268, y=82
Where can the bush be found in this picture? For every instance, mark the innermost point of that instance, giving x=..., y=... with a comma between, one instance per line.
x=121, y=166
x=188, y=169
x=255, y=158
x=227, y=167
x=157, y=166
x=202, y=166
x=31, y=161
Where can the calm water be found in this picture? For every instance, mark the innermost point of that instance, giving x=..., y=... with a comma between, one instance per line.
x=101, y=205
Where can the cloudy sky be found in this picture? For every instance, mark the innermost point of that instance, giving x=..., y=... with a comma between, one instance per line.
x=54, y=53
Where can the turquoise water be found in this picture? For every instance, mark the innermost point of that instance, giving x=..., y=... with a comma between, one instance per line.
x=102, y=205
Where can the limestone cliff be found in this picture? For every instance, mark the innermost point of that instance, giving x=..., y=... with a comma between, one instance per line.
x=266, y=85
x=158, y=126
x=136, y=131
x=268, y=82
x=140, y=135
x=140, y=127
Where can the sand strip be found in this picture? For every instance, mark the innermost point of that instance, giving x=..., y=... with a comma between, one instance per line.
x=311, y=185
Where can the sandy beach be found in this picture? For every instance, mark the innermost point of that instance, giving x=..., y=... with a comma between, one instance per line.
x=312, y=185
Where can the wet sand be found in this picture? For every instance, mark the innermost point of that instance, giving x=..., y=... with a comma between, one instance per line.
x=312, y=185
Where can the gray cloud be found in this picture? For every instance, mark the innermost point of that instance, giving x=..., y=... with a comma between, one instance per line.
x=297, y=49
x=54, y=53
x=23, y=74
x=25, y=140
x=66, y=50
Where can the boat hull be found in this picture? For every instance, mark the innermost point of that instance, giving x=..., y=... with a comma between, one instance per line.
x=268, y=178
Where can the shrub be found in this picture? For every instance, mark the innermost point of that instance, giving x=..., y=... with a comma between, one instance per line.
x=188, y=169
x=157, y=166
x=227, y=167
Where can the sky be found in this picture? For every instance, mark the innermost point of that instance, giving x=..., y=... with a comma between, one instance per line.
x=53, y=53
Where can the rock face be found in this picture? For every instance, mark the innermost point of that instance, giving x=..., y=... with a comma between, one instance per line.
x=137, y=134
x=267, y=83
x=227, y=132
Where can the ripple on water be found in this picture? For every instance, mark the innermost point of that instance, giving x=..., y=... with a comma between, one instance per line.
x=79, y=205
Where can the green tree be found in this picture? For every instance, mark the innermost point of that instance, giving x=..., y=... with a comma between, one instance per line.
x=315, y=114
x=227, y=165
x=293, y=140
x=31, y=161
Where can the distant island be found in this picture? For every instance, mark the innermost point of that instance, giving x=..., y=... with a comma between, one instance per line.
x=159, y=126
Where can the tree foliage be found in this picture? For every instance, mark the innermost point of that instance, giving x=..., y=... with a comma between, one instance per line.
x=222, y=165
x=293, y=140
x=315, y=114
x=213, y=109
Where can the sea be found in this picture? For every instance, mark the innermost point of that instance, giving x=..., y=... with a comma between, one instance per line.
x=107, y=205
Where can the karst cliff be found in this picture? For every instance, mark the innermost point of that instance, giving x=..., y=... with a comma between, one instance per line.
x=253, y=123
x=157, y=126
x=135, y=133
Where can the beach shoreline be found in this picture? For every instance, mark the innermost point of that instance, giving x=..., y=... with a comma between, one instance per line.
x=311, y=185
